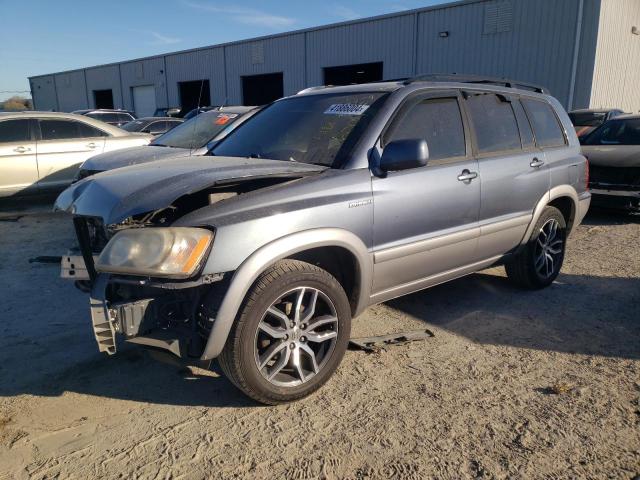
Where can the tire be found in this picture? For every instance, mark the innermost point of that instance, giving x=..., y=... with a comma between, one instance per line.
x=279, y=350
x=525, y=268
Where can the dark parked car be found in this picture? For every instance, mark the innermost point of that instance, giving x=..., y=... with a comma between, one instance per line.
x=167, y=112
x=613, y=151
x=320, y=205
x=194, y=137
x=113, y=117
x=152, y=125
x=198, y=111
x=586, y=121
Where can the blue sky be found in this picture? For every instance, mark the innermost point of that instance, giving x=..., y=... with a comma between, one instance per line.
x=44, y=36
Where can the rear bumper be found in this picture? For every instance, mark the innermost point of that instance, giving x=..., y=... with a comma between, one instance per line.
x=584, y=201
x=628, y=200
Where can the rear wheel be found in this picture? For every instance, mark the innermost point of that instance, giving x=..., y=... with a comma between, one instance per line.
x=290, y=335
x=540, y=261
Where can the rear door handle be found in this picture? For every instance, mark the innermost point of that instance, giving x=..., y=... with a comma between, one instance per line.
x=466, y=176
x=535, y=163
x=21, y=149
x=91, y=145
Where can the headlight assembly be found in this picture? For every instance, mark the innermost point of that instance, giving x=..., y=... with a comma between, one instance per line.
x=174, y=252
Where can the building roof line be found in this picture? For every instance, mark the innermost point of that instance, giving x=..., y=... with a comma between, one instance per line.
x=272, y=36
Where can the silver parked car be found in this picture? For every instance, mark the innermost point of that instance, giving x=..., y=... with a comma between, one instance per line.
x=194, y=137
x=43, y=150
x=322, y=204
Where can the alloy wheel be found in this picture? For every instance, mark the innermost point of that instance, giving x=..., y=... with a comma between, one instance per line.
x=549, y=248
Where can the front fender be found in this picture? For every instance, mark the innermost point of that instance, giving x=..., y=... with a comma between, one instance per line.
x=270, y=253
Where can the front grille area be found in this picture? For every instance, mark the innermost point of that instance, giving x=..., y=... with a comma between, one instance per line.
x=622, y=177
x=92, y=239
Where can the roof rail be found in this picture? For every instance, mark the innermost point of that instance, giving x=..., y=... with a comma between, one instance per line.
x=464, y=78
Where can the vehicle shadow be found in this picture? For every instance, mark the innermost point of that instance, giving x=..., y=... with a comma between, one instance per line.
x=577, y=314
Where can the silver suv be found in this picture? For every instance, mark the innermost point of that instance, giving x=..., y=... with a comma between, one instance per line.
x=322, y=204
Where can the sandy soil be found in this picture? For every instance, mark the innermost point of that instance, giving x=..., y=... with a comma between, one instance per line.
x=513, y=385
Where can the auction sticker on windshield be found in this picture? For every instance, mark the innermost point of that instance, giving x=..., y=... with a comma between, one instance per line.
x=225, y=117
x=346, y=109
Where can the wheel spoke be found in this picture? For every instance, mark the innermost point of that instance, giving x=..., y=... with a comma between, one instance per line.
x=298, y=310
x=297, y=363
x=273, y=332
x=309, y=351
x=310, y=309
x=321, y=337
x=280, y=364
x=271, y=352
x=540, y=261
x=279, y=314
x=550, y=264
x=318, y=322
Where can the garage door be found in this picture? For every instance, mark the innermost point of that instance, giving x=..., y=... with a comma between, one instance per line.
x=144, y=100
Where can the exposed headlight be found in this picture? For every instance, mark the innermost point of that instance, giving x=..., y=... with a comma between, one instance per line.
x=160, y=252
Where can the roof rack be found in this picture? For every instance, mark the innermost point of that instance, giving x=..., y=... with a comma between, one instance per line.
x=463, y=78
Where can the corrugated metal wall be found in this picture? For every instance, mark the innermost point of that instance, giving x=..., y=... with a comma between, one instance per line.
x=104, y=78
x=71, y=90
x=198, y=65
x=390, y=40
x=278, y=54
x=530, y=40
x=616, y=79
x=150, y=71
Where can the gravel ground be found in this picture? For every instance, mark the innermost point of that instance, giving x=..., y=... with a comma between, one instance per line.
x=514, y=384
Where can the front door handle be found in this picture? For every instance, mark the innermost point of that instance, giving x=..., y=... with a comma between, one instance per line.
x=535, y=163
x=21, y=149
x=466, y=176
x=91, y=145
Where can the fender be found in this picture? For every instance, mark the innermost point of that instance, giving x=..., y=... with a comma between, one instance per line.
x=580, y=205
x=281, y=248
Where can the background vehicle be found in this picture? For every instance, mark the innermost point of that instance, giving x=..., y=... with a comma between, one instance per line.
x=153, y=125
x=167, y=112
x=198, y=111
x=322, y=204
x=194, y=137
x=586, y=121
x=110, y=116
x=613, y=151
x=43, y=150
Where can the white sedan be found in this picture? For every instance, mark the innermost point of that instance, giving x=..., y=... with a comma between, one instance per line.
x=42, y=151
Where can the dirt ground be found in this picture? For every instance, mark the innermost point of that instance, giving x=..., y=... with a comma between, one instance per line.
x=514, y=384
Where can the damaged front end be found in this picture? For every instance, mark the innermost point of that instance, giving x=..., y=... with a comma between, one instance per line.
x=145, y=277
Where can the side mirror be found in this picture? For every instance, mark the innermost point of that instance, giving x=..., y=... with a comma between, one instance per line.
x=404, y=154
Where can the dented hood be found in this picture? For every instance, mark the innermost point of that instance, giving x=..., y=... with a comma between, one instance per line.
x=118, y=194
x=132, y=156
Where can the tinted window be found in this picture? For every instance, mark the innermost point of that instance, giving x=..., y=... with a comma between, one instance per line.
x=544, y=122
x=526, y=134
x=123, y=117
x=89, y=131
x=319, y=129
x=587, y=119
x=438, y=121
x=134, y=126
x=157, y=127
x=494, y=123
x=14, y=131
x=198, y=131
x=616, y=132
x=59, y=129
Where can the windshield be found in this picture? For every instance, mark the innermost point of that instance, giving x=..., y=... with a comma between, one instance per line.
x=587, y=119
x=616, y=132
x=318, y=129
x=196, y=132
x=133, y=126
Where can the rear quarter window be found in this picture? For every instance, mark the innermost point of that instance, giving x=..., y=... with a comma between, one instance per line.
x=544, y=121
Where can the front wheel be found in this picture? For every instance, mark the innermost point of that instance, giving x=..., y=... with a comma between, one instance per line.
x=540, y=261
x=290, y=334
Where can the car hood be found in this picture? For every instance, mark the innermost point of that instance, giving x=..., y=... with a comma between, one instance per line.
x=132, y=156
x=118, y=194
x=612, y=155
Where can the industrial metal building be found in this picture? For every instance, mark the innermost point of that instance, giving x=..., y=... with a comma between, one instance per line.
x=587, y=52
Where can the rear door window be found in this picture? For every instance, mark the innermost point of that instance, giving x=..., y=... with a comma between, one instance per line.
x=59, y=129
x=15, y=131
x=494, y=123
x=438, y=121
x=545, y=124
x=90, y=131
